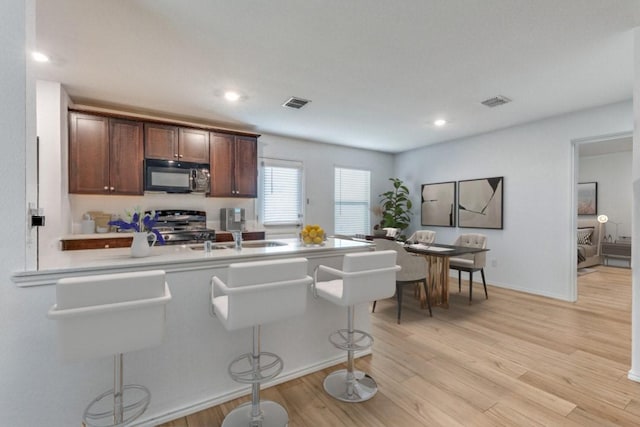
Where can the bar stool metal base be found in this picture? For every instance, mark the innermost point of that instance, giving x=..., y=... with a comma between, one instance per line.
x=273, y=415
x=101, y=413
x=336, y=384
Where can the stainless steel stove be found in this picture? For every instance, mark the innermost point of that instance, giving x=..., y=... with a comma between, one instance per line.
x=181, y=227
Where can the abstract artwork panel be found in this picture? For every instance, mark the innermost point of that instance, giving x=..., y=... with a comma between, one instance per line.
x=438, y=201
x=480, y=203
x=587, y=198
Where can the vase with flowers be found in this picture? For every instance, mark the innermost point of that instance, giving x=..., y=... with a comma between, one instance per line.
x=142, y=226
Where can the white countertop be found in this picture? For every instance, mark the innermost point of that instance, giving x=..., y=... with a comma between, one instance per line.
x=169, y=258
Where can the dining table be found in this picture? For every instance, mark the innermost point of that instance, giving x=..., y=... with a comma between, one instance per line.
x=437, y=256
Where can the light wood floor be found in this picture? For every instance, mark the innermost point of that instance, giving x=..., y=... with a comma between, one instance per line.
x=512, y=360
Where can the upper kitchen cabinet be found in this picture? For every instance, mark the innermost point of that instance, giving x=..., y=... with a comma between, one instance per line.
x=234, y=165
x=167, y=142
x=105, y=155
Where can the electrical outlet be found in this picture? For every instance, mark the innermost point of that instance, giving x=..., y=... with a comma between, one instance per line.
x=494, y=263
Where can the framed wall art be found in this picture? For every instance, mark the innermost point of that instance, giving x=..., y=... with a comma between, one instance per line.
x=438, y=202
x=587, y=198
x=480, y=203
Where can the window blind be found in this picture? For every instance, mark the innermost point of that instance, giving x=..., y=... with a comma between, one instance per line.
x=281, y=188
x=352, y=191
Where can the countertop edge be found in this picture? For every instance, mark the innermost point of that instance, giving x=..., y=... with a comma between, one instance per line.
x=50, y=276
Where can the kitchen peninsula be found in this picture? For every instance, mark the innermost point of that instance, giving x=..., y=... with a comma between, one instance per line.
x=189, y=371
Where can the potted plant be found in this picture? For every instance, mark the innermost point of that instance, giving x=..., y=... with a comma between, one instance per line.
x=396, y=206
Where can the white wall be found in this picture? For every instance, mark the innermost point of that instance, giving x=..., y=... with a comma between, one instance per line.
x=319, y=161
x=612, y=172
x=533, y=251
x=52, y=103
x=24, y=361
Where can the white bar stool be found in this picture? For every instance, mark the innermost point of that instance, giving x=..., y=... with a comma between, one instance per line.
x=111, y=314
x=364, y=277
x=257, y=293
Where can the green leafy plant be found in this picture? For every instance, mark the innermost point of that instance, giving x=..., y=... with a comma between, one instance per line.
x=396, y=206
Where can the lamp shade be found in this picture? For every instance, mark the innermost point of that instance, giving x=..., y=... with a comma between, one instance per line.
x=602, y=219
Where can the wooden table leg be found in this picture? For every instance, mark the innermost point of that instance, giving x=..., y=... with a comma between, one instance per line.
x=437, y=281
x=445, y=281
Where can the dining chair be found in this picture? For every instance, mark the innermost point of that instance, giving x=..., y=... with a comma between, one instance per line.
x=414, y=270
x=423, y=236
x=470, y=262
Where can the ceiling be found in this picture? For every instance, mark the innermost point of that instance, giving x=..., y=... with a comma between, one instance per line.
x=378, y=72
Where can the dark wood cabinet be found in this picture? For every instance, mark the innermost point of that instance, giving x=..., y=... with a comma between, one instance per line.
x=100, y=243
x=160, y=142
x=224, y=236
x=167, y=142
x=105, y=155
x=126, y=157
x=234, y=165
x=193, y=145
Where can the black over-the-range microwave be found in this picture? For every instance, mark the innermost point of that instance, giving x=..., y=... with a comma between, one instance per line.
x=176, y=176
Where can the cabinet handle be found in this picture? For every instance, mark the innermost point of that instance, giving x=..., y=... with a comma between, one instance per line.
x=180, y=156
x=175, y=155
x=112, y=188
x=106, y=188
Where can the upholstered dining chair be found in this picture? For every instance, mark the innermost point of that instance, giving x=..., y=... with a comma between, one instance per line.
x=470, y=262
x=423, y=236
x=414, y=271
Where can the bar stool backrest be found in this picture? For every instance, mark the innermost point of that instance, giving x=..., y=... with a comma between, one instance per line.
x=275, y=290
x=108, y=314
x=378, y=278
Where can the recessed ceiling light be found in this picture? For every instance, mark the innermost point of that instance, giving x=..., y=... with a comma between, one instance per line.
x=39, y=57
x=231, y=96
x=440, y=122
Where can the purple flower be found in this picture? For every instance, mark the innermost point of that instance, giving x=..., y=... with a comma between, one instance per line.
x=146, y=223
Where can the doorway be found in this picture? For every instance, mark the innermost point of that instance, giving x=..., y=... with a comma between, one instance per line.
x=606, y=161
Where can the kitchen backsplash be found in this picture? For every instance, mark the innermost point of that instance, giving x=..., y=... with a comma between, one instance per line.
x=81, y=204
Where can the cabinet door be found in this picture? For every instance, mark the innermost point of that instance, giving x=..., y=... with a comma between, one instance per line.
x=160, y=142
x=126, y=156
x=88, y=154
x=194, y=145
x=246, y=167
x=222, y=157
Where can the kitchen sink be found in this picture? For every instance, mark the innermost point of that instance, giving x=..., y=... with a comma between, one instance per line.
x=213, y=247
x=248, y=244
x=262, y=244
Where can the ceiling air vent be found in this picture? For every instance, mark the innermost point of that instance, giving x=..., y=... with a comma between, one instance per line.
x=296, y=103
x=495, y=101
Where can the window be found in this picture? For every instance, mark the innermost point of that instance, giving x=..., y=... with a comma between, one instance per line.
x=352, y=190
x=281, y=192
